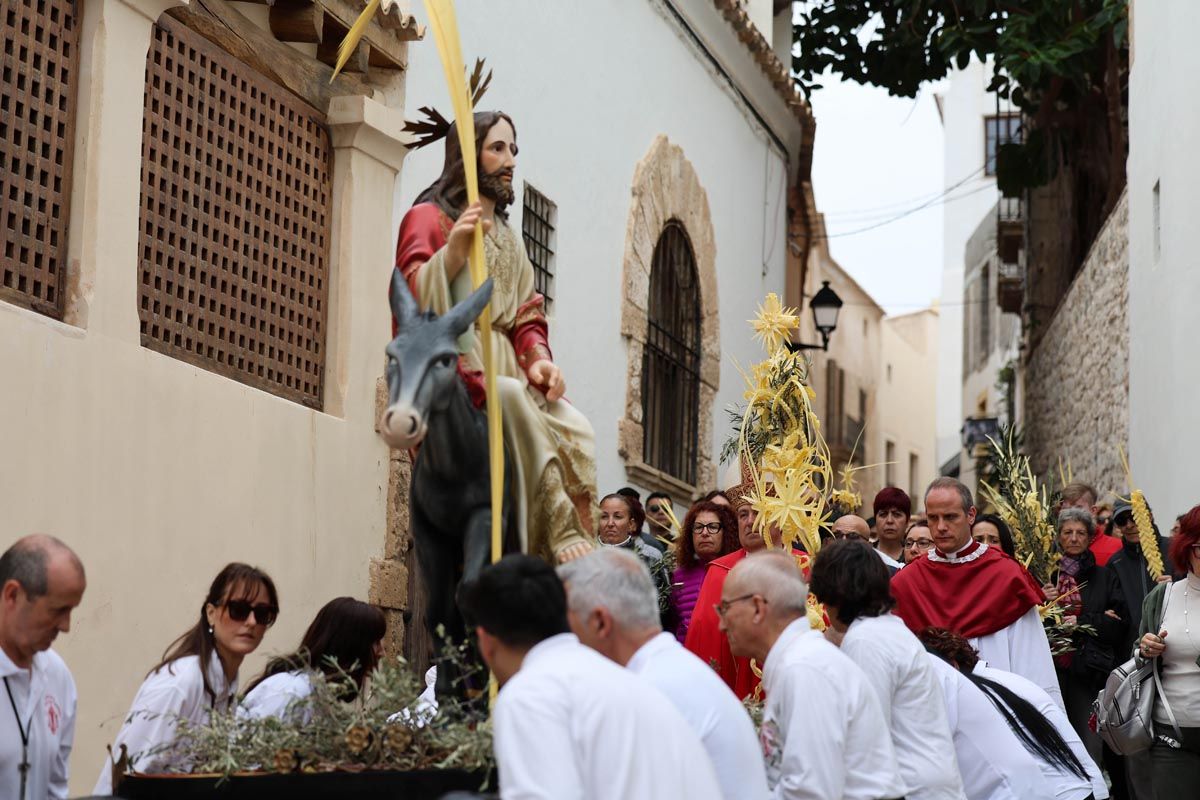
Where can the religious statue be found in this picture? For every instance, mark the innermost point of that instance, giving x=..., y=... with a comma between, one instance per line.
x=550, y=443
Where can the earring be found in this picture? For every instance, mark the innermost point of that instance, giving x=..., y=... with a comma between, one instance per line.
x=210, y=630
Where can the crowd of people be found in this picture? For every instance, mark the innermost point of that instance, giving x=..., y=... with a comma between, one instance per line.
x=924, y=673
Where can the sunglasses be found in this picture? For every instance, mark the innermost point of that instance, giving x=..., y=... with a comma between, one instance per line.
x=240, y=611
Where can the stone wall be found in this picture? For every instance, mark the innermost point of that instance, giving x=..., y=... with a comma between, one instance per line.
x=1077, y=376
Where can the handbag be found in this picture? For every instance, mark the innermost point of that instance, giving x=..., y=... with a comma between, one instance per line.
x=1124, y=709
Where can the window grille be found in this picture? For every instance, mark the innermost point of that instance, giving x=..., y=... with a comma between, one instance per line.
x=38, y=77
x=538, y=216
x=234, y=229
x=671, y=363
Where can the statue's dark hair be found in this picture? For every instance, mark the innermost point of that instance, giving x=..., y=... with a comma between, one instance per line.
x=341, y=637
x=519, y=600
x=449, y=191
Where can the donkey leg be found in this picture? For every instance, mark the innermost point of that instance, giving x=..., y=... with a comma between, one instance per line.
x=437, y=557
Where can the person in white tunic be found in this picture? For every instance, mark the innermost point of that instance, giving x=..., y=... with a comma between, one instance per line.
x=823, y=733
x=1038, y=722
x=569, y=724
x=976, y=591
x=993, y=763
x=346, y=637
x=198, y=674
x=612, y=606
x=852, y=584
x=41, y=583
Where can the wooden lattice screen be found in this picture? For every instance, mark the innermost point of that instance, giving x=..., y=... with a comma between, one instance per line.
x=38, y=75
x=234, y=235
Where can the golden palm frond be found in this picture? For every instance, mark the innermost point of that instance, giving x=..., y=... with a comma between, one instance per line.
x=353, y=36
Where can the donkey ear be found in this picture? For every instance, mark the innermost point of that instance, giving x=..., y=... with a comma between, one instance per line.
x=463, y=315
x=404, y=307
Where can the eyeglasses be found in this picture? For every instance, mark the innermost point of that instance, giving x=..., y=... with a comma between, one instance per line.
x=1121, y=520
x=711, y=527
x=851, y=535
x=920, y=544
x=722, y=608
x=240, y=611
x=1102, y=520
x=1196, y=550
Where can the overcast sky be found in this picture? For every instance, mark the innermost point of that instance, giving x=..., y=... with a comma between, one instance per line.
x=878, y=157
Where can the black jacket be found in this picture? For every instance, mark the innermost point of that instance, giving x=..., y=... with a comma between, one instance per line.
x=1095, y=656
x=1136, y=583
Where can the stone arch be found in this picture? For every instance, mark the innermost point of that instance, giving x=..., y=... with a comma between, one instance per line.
x=666, y=187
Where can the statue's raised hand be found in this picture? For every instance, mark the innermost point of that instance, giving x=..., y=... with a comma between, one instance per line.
x=458, y=243
x=544, y=374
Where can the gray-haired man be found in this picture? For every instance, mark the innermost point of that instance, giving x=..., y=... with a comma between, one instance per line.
x=612, y=607
x=41, y=582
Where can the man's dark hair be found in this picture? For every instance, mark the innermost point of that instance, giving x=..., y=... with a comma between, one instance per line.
x=28, y=560
x=629, y=491
x=650, y=498
x=850, y=576
x=449, y=191
x=519, y=600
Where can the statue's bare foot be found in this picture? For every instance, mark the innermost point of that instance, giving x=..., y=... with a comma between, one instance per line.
x=573, y=552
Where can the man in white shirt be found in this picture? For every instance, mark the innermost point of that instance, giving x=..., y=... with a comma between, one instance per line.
x=41, y=582
x=852, y=584
x=823, y=733
x=612, y=607
x=568, y=723
x=976, y=591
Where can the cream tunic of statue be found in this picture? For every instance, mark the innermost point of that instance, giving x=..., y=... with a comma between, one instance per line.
x=551, y=444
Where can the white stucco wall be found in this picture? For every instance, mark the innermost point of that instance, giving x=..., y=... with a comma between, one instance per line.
x=906, y=418
x=1164, y=124
x=589, y=86
x=965, y=103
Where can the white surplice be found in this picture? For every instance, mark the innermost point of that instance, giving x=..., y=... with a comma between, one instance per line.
x=713, y=711
x=572, y=725
x=45, y=698
x=1067, y=786
x=897, y=667
x=993, y=763
x=823, y=734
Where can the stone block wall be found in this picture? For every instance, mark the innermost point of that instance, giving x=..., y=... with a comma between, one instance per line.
x=1077, y=375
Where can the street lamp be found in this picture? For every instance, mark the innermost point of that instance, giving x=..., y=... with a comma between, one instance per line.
x=826, y=306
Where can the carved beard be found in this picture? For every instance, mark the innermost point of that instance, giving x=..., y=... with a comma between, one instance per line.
x=492, y=186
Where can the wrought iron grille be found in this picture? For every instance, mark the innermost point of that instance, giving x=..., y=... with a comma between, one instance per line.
x=671, y=362
x=538, y=216
x=38, y=76
x=234, y=232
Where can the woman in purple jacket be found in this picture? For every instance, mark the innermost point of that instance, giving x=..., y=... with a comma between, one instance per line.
x=709, y=531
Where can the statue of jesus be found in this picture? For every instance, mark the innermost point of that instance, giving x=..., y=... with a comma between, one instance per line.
x=551, y=443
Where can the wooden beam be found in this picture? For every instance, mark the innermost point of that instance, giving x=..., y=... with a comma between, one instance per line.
x=387, y=34
x=304, y=77
x=327, y=50
x=297, y=21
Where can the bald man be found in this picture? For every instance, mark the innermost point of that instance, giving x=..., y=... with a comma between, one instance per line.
x=823, y=733
x=41, y=583
x=848, y=526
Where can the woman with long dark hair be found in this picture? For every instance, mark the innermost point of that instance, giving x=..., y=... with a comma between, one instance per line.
x=1037, y=721
x=709, y=531
x=198, y=673
x=994, y=532
x=346, y=636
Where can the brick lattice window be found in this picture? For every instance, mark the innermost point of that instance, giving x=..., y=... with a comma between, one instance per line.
x=671, y=364
x=234, y=230
x=538, y=216
x=38, y=77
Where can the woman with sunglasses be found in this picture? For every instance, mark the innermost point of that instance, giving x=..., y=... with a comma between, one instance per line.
x=198, y=673
x=346, y=637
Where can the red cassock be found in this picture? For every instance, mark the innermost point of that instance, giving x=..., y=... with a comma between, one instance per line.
x=423, y=232
x=704, y=636
x=974, y=597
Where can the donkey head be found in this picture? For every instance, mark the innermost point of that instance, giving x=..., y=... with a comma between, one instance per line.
x=422, y=361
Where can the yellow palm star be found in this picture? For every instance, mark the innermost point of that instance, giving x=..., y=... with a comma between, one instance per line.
x=773, y=323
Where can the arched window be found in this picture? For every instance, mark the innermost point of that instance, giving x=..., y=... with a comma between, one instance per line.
x=671, y=358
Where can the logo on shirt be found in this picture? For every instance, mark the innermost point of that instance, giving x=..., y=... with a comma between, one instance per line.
x=53, y=714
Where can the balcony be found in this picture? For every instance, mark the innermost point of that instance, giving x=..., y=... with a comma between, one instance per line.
x=1010, y=229
x=1010, y=287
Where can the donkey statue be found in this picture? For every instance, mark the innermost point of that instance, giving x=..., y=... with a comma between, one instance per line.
x=428, y=405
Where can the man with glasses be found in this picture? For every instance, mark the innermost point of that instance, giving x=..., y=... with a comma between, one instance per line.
x=823, y=733
x=41, y=583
